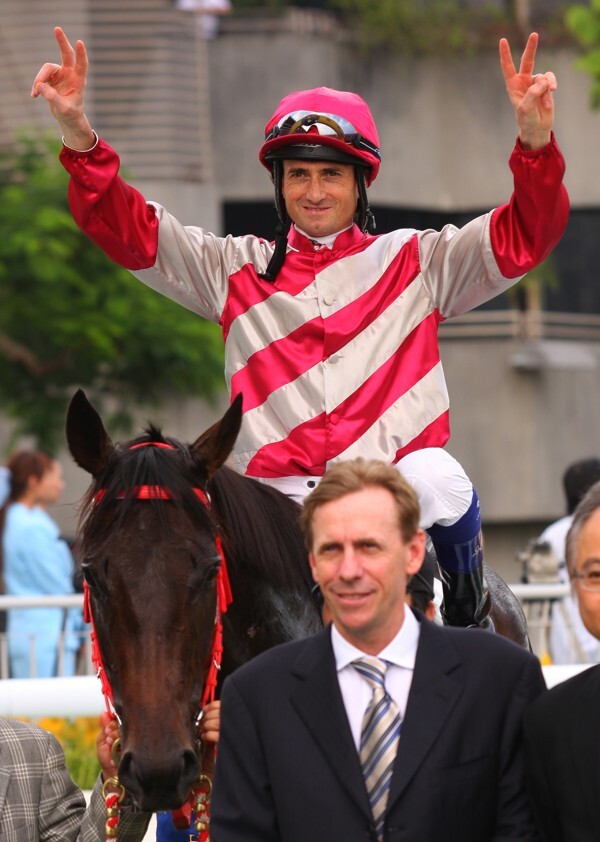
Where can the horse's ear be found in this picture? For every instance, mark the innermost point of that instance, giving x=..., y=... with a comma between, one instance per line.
x=88, y=441
x=214, y=446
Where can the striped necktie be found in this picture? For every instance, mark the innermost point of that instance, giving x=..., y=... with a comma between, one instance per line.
x=379, y=738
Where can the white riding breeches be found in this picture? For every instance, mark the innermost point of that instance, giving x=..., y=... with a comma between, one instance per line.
x=444, y=490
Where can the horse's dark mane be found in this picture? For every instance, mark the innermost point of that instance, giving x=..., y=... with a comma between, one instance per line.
x=259, y=525
x=263, y=524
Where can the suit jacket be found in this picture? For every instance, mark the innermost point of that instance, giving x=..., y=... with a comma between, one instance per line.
x=288, y=770
x=562, y=754
x=38, y=799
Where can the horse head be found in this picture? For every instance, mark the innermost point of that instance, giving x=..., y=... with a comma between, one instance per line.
x=147, y=544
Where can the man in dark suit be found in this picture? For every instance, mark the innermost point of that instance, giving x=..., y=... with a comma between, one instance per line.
x=292, y=731
x=562, y=737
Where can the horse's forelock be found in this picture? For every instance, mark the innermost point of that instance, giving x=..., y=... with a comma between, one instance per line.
x=132, y=466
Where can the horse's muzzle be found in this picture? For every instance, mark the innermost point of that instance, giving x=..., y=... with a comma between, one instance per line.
x=153, y=788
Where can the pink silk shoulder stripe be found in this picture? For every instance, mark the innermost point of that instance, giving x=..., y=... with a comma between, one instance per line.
x=301, y=453
x=435, y=434
x=284, y=360
x=97, y=193
x=357, y=414
x=275, y=459
x=524, y=231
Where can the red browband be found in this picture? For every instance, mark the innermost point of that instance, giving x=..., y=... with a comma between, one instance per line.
x=164, y=444
x=152, y=492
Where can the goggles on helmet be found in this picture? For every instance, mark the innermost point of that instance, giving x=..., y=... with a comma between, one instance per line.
x=312, y=118
x=323, y=125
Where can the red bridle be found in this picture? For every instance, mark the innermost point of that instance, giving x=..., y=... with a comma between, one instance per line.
x=199, y=800
x=223, y=588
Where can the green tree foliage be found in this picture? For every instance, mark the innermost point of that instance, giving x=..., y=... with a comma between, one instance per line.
x=584, y=23
x=422, y=26
x=262, y=5
x=69, y=317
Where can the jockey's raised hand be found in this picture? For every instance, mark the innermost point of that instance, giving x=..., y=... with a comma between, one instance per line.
x=530, y=94
x=62, y=86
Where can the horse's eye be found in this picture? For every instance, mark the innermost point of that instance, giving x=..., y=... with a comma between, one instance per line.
x=212, y=569
x=207, y=570
x=90, y=576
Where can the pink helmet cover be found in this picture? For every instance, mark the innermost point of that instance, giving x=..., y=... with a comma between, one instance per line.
x=347, y=106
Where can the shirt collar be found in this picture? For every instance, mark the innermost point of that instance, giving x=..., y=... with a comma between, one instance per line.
x=401, y=651
x=328, y=241
x=299, y=241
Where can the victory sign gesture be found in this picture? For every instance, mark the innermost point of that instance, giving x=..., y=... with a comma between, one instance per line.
x=62, y=86
x=531, y=94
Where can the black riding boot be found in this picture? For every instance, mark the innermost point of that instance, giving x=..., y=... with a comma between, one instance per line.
x=466, y=598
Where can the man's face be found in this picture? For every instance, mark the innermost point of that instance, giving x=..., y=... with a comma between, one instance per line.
x=587, y=557
x=50, y=486
x=320, y=196
x=361, y=562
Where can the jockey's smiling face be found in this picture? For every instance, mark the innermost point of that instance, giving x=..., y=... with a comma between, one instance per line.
x=320, y=196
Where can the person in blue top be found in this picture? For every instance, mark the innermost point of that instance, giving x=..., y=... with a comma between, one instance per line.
x=42, y=642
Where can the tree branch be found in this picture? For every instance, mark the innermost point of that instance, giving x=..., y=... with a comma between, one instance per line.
x=16, y=352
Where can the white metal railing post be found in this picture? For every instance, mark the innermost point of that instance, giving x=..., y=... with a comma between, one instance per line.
x=536, y=599
x=4, y=671
x=66, y=602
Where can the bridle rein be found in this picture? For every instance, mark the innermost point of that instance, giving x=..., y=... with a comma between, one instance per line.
x=112, y=790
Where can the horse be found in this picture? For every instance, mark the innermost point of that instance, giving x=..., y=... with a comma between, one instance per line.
x=506, y=611
x=152, y=525
x=147, y=542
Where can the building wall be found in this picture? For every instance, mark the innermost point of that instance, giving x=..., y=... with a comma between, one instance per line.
x=182, y=110
x=188, y=117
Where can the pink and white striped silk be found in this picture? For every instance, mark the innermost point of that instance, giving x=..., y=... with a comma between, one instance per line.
x=340, y=356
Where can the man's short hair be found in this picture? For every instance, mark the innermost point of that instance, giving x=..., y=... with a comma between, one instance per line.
x=356, y=475
x=583, y=512
x=578, y=478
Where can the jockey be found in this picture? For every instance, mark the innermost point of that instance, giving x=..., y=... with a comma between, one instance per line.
x=331, y=332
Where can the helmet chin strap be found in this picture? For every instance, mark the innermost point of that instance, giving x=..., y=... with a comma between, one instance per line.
x=276, y=261
x=365, y=218
x=281, y=231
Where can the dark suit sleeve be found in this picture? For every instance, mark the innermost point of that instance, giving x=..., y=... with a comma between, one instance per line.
x=543, y=802
x=242, y=806
x=514, y=817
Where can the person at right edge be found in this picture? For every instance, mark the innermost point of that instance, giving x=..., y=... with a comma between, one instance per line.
x=561, y=735
x=331, y=332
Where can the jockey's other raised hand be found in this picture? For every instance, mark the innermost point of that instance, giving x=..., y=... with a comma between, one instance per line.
x=530, y=94
x=62, y=86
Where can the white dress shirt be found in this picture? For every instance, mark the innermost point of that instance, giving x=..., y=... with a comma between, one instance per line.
x=400, y=653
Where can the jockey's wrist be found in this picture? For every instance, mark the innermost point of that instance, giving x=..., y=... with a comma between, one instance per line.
x=74, y=145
